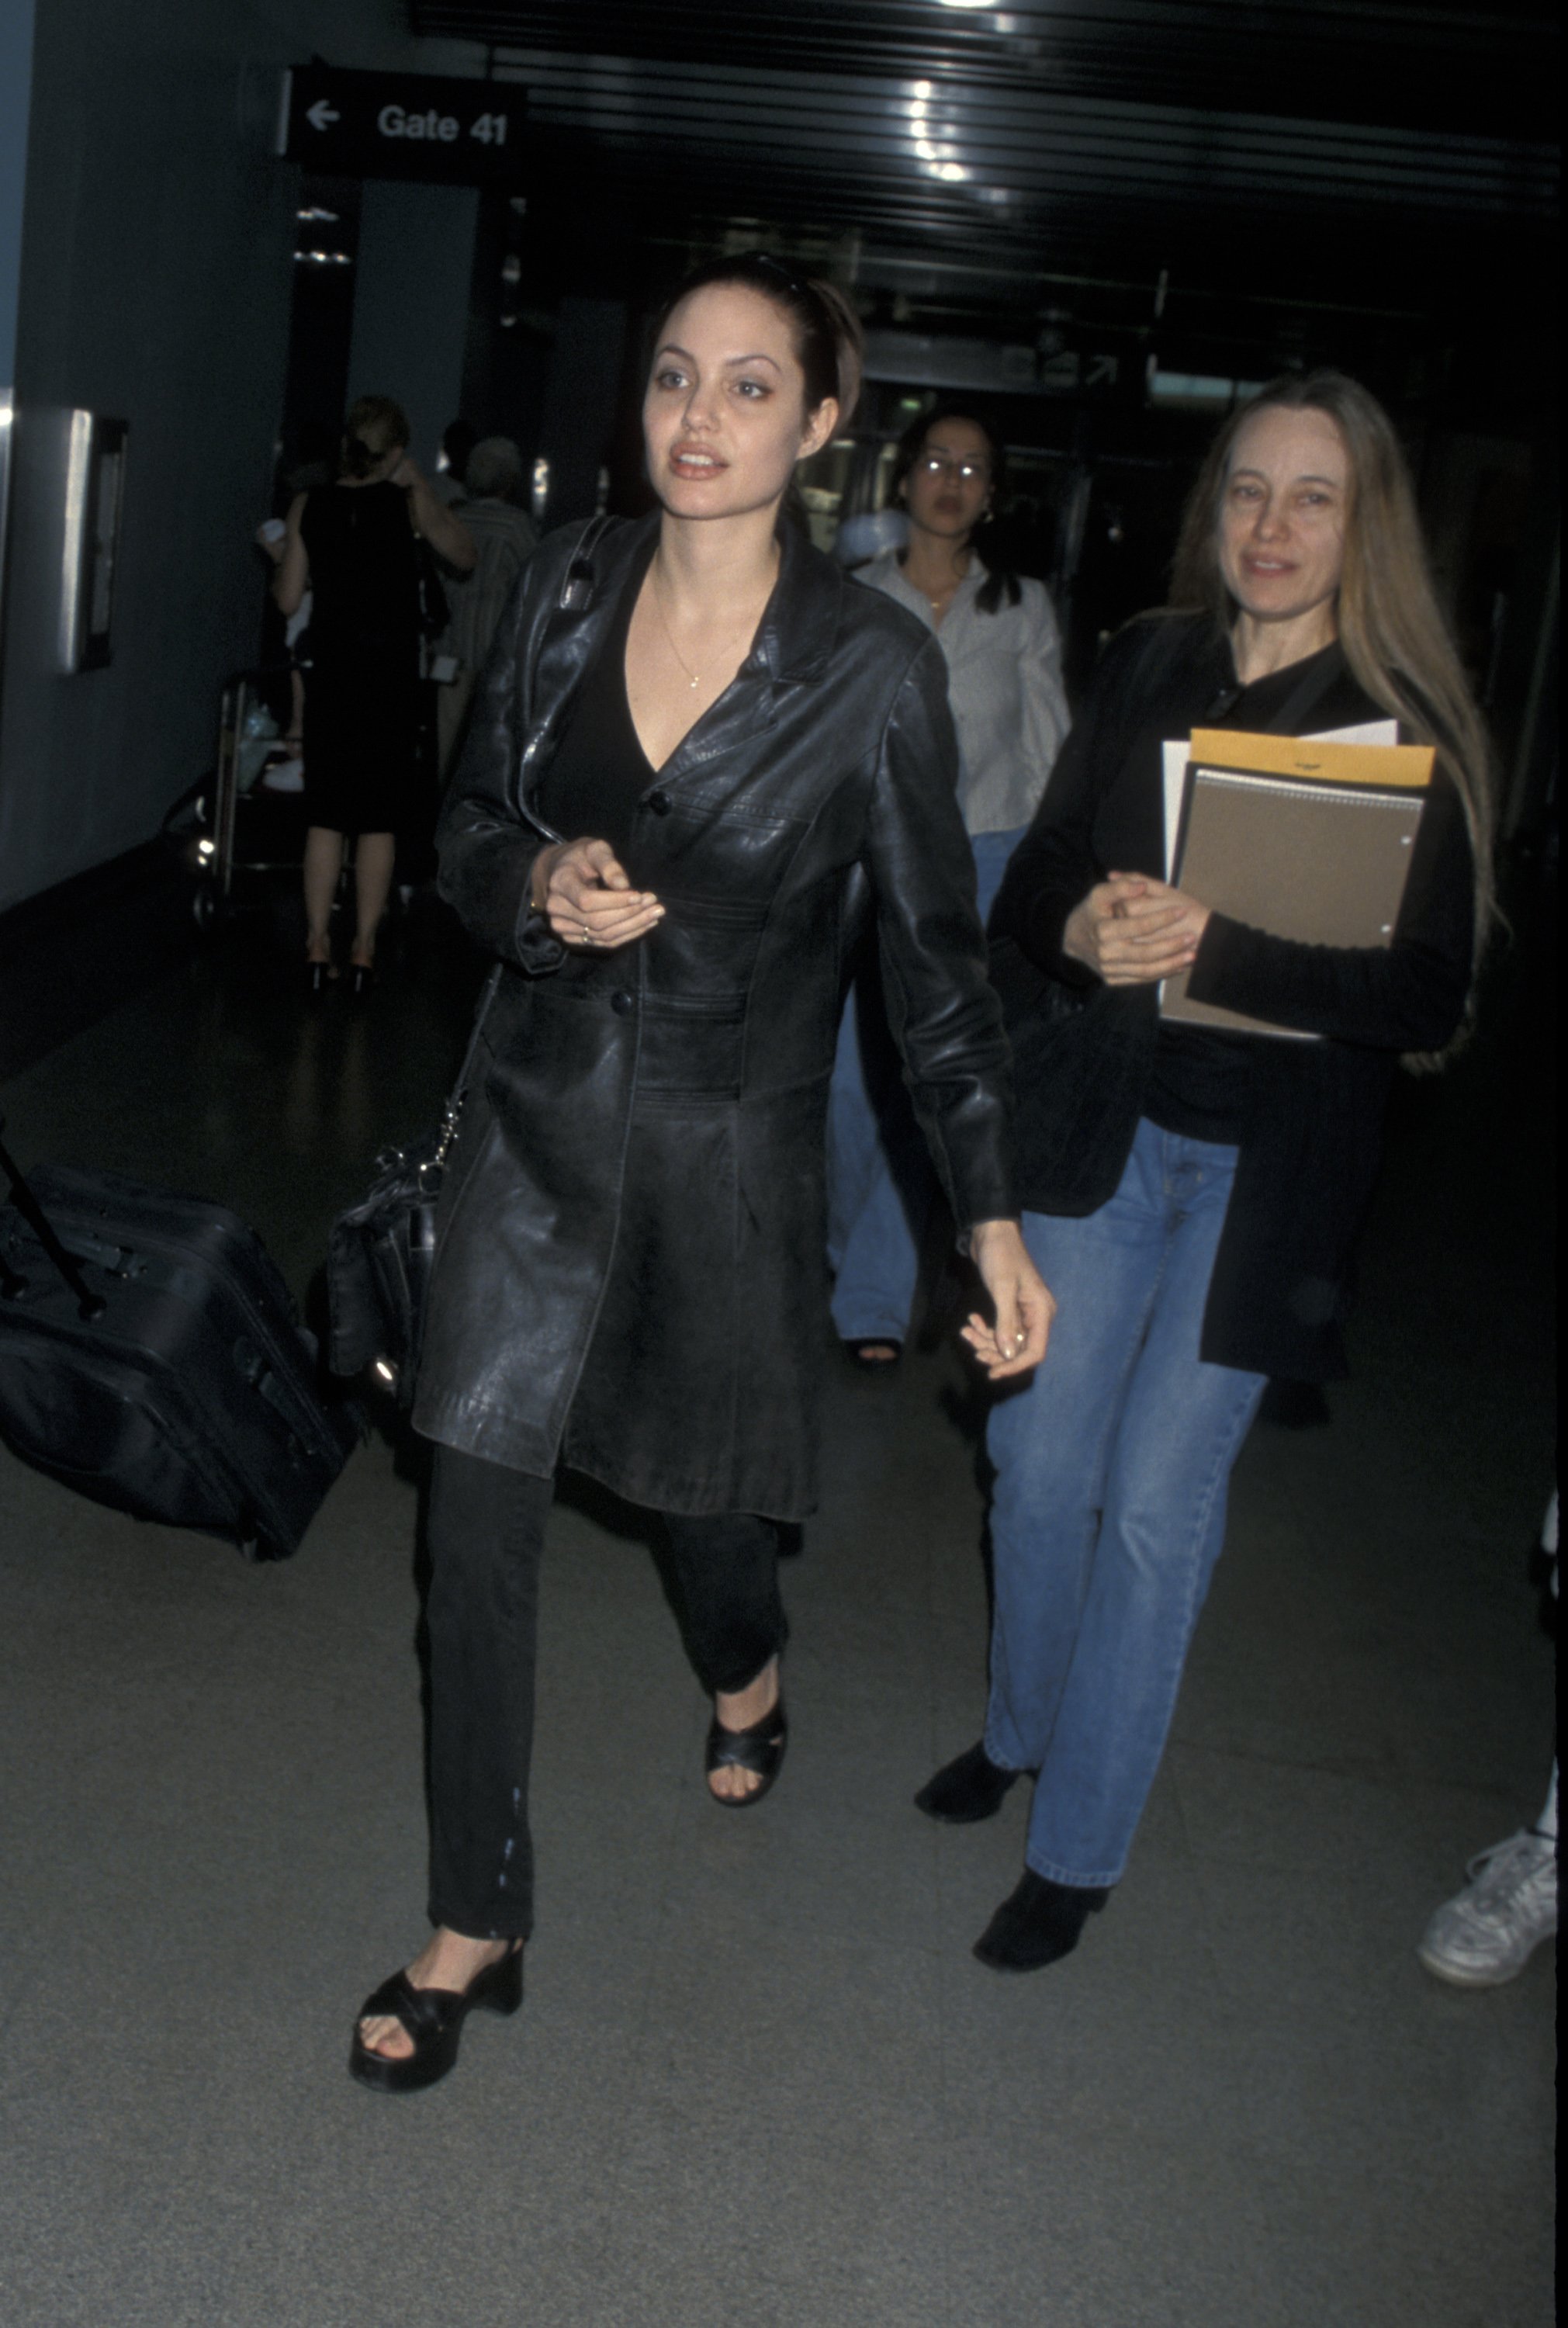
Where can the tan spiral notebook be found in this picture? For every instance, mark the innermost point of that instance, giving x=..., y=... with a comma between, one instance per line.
x=1303, y=838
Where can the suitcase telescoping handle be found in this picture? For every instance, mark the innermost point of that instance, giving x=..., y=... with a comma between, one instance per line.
x=90, y=1304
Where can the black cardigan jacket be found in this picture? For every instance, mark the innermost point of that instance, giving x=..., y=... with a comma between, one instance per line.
x=1084, y=1051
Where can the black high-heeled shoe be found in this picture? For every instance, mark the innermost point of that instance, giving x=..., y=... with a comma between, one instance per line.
x=434, y=2019
x=759, y=1750
x=316, y=974
x=362, y=978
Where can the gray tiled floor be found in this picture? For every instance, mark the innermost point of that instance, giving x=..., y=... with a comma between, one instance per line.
x=759, y=2082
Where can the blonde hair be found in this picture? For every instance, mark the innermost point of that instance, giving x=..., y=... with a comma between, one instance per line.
x=382, y=414
x=1390, y=625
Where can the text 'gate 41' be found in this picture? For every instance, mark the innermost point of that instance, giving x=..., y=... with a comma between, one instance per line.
x=366, y=125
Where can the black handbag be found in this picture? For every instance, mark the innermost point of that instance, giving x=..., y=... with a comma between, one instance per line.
x=381, y=1252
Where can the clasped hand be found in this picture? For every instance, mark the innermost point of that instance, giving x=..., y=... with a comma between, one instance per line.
x=588, y=898
x=1021, y=1301
x=1132, y=929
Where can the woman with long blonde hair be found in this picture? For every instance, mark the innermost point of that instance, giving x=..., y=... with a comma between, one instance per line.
x=1192, y=1194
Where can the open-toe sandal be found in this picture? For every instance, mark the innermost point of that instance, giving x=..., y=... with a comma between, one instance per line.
x=434, y=2019
x=759, y=1750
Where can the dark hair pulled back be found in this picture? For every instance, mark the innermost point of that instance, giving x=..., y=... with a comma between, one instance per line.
x=827, y=337
x=1000, y=584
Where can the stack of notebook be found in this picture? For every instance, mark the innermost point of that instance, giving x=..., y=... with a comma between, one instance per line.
x=1304, y=837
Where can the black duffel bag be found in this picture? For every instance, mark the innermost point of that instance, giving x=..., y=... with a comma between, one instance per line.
x=151, y=1358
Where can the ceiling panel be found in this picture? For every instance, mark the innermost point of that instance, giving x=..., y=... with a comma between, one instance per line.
x=1416, y=62
x=1391, y=158
x=1021, y=169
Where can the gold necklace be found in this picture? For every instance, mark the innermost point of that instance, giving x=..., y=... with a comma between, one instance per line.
x=695, y=677
x=945, y=596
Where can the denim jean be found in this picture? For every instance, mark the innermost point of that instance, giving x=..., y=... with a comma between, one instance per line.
x=880, y=1185
x=1113, y=1468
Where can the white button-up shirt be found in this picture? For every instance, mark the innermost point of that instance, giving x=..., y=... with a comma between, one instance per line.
x=1004, y=683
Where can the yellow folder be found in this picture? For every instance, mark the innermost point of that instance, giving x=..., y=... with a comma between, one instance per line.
x=1401, y=767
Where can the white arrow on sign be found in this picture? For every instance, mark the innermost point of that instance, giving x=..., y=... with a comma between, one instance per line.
x=321, y=113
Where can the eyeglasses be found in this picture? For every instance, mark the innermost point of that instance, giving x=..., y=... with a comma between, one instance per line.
x=941, y=464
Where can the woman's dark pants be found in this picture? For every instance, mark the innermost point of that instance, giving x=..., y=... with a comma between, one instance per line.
x=486, y=1535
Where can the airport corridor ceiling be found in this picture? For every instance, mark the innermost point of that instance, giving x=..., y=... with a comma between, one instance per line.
x=1398, y=153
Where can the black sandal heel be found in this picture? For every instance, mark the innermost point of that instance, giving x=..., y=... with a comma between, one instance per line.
x=434, y=2019
x=759, y=1750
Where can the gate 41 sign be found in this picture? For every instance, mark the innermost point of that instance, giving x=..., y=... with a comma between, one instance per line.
x=363, y=125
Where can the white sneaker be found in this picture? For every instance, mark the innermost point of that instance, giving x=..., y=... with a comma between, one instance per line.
x=1484, y=1935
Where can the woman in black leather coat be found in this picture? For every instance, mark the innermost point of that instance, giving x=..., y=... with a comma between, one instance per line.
x=701, y=755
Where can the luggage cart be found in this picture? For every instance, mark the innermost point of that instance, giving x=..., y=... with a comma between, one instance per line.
x=231, y=824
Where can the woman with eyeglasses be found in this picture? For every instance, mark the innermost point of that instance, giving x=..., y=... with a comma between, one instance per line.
x=699, y=759
x=998, y=635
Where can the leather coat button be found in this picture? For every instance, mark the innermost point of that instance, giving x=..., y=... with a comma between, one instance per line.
x=660, y=803
x=622, y=1004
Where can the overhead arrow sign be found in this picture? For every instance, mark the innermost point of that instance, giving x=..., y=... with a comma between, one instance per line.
x=363, y=125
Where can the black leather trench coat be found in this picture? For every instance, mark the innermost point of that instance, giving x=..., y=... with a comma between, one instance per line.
x=629, y=1273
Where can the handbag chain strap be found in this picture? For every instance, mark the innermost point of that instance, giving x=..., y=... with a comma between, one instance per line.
x=447, y=1130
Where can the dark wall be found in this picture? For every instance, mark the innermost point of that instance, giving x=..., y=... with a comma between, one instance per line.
x=155, y=281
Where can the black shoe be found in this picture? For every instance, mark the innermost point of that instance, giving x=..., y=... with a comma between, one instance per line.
x=969, y=1788
x=1037, y=1922
x=434, y=2019
x=316, y=974
x=362, y=978
x=759, y=1750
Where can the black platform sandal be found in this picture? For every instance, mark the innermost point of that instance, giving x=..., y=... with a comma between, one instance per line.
x=759, y=1750
x=434, y=2019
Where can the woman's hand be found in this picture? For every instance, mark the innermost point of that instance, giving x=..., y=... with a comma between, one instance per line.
x=292, y=580
x=1131, y=930
x=441, y=527
x=1022, y=1300
x=591, y=902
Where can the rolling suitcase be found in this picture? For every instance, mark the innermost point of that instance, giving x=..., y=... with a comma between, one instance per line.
x=151, y=1357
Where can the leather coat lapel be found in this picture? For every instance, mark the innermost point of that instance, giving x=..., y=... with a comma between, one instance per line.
x=792, y=645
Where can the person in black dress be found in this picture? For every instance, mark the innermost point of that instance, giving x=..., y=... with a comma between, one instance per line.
x=355, y=545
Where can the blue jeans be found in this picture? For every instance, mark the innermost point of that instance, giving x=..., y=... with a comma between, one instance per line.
x=880, y=1184
x=1113, y=1468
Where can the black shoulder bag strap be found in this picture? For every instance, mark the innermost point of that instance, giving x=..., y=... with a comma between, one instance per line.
x=575, y=592
x=1296, y=707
